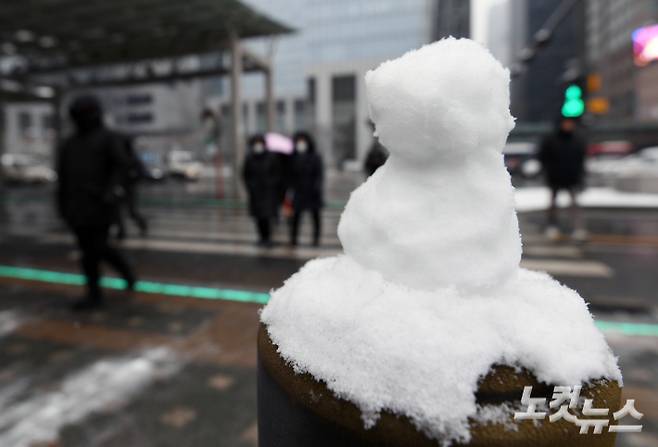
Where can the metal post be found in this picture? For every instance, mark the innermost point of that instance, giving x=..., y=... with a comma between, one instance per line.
x=236, y=113
x=269, y=98
x=56, y=104
x=2, y=146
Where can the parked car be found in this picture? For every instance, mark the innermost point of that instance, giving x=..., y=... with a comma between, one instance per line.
x=24, y=169
x=612, y=166
x=521, y=159
x=154, y=166
x=182, y=164
x=611, y=148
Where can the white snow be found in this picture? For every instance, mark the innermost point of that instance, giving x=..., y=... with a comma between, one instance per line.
x=383, y=345
x=536, y=198
x=429, y=293
x=107, y=383
x=443, y=203
x=10, y=320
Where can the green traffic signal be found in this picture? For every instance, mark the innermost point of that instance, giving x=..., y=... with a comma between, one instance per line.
x=573, y=106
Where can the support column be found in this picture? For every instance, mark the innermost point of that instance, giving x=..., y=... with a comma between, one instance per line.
x=237, y=133
x=269, y=99
x=363, y=133
x=56, y=104
x=323, y=116
x=289, y=119
x=3, y=142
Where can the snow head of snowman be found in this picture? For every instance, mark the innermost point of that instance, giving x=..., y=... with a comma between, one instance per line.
x=440, y=212
x=444, y=100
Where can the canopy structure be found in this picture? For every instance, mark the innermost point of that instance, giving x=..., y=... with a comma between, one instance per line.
x=59, y=45
x=67, y=34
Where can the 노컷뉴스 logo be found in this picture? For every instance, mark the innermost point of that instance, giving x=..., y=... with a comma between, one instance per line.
x=566, y=398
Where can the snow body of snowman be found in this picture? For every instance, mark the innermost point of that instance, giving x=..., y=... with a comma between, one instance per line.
x=429, y=294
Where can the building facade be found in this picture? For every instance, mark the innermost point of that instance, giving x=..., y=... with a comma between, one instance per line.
x=631, y=91
x=319, y=70
x=538, y=88
x=452, y=18
x=28, y=129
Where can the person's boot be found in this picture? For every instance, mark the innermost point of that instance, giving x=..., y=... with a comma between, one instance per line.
x=130, y=285
x=580, y=235
x=88, y=304
x=552, y=233
x=143, y=227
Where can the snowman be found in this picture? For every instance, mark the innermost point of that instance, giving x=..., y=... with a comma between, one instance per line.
x=440, y=212
x=428, y=299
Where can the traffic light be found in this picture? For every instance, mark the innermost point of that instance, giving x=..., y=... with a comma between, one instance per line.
x=574, y=104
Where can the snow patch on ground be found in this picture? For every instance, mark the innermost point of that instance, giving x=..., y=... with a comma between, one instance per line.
x=10, y=320
x=102, y=385
x=538, y=198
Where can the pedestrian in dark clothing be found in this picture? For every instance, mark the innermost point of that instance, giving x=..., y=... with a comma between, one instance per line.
x=90, y=166
x=376, y=156
x=562, y=155
x=134, y=173
x=261, y=176
x=307, y=177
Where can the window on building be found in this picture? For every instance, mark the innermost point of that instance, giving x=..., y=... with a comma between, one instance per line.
x=138, y=99
x=47, y=121
x=280, y=118
x=139, y=118
x=343, y=105
x=302, y=120
x=261, y=117
x=24, y=122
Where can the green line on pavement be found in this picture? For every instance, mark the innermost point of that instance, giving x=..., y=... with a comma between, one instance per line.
x=642, y=329
x=179, y=290
x=243, y=296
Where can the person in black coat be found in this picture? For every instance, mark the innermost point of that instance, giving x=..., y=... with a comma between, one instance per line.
x=134, y=174
x=377, y=154
x=262, y=178
x=562, y=155
x=90, y=168
x=307, y=177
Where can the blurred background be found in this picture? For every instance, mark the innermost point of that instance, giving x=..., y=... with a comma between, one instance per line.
x=188, y=84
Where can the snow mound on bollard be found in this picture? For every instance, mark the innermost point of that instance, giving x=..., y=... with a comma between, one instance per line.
x=384, y=346
x=429, y=294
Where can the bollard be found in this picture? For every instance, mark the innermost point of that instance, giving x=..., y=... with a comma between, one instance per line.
x=295, y=410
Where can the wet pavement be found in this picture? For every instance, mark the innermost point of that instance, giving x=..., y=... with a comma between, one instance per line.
x=174, y=364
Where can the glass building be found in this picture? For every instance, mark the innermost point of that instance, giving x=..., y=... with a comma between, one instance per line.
x=319, y=70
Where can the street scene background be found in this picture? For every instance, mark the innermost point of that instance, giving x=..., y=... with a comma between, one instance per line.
x=174, y=362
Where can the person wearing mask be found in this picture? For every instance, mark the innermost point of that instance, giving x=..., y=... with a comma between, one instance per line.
x=562, y=155
x=134, y=174
x=307, y=173
x=261, y=177
x=91, y=164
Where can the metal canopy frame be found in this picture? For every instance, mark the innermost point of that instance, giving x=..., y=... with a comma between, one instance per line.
x=55, y=39
x=57, y=34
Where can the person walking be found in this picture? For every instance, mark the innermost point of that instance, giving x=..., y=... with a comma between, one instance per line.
x=307, y=174
x=90, y=167
x=562, y=155
x=261, y=177
x=376, y=156
x=134, y=174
